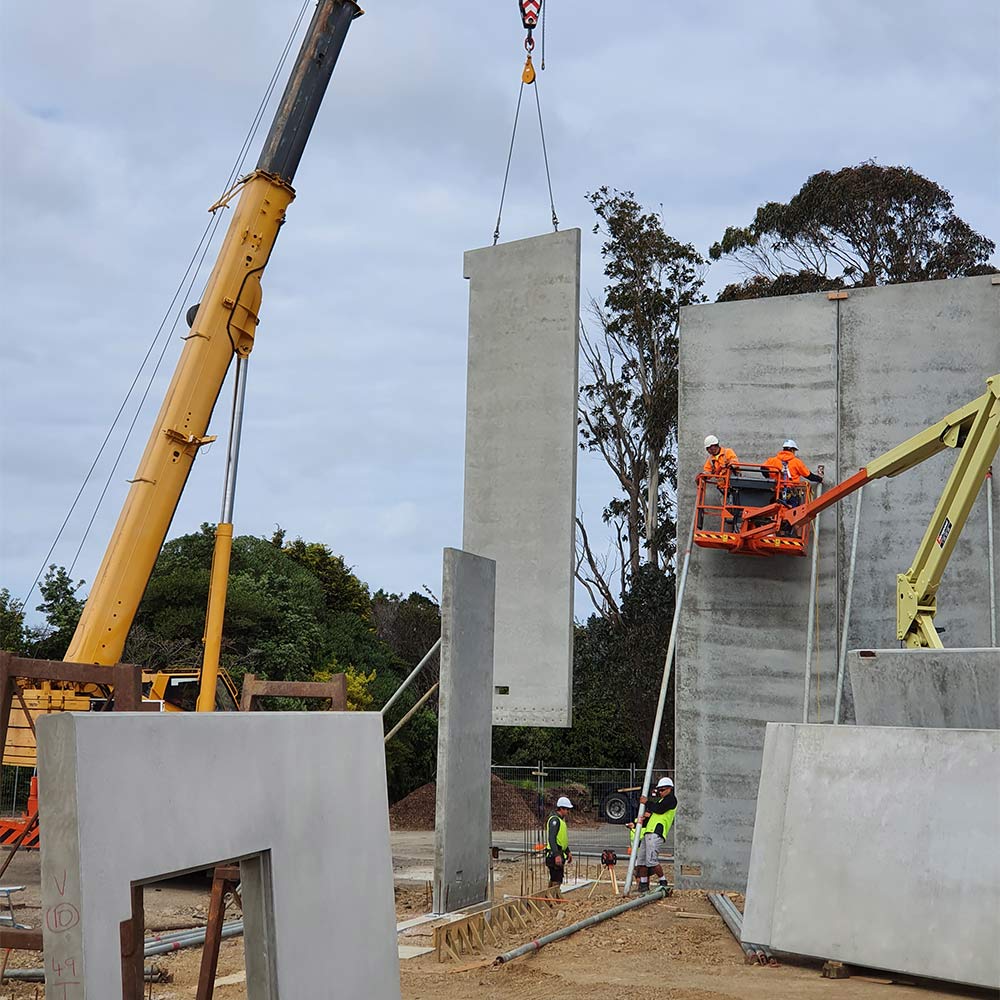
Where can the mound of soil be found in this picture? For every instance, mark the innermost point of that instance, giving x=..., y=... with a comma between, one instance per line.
x=416, y=810
x=509, y=804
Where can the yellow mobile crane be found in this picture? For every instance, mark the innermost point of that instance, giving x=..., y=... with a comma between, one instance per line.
x=222, y=327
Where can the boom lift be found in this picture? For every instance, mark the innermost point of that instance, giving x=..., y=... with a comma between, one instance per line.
x=755, y=515
x=222, y=327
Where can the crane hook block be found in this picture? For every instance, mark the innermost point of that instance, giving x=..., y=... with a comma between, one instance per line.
x=530, y=12
x=528, y=76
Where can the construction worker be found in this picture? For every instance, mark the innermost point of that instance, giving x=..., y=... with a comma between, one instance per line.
x=792, y=473
x=719, y=458
x=557, y=852
x=658, y=820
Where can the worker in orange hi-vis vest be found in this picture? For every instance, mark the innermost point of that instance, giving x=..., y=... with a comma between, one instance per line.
x=792, y=474
x=719, y=458
x=790, y=468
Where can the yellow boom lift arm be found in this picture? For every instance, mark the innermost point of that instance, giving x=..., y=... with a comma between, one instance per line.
x=974, y=431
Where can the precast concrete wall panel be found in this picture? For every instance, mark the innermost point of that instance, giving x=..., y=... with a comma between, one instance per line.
x=753, y=373
x=848, y=378
x=936, y=688
x=462, y=828
x=520, y=463
x=129, y=797
x=878, y=847
x=909, y=355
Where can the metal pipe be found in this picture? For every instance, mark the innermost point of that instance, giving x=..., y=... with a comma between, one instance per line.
x=842, y=661
x=235, y=435
x=715, y=899
x=215, y=613
x=990, y=556
x=597, y=918
x=155, y=938
x=763, y=955
x=413, y=673
x=150, y=973
x=813, y=579
x=654, y=739
x=229, y=930
x=413, y=711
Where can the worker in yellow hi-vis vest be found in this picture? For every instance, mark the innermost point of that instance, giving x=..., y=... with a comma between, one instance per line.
x=557, y=852
x=656, y=824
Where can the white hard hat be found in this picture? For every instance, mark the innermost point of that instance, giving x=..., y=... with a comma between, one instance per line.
x=665, y=783
x=790, y=445
x=564, y=803
x=710, y=440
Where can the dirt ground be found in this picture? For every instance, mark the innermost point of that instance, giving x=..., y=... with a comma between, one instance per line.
x=678, y=949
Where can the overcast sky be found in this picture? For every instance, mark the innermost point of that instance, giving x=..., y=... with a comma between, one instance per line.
x=121, y=121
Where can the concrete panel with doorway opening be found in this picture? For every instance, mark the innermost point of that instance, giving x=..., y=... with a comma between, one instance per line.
x=520, y=463
x=299, y=797
x=848, y=378
x=935, y=688
x=876, y=846
x=462, y=824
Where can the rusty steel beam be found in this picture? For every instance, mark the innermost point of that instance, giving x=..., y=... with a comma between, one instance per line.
x=335, y=690
x=225, y=880
x=133, y=942
x=20, y=940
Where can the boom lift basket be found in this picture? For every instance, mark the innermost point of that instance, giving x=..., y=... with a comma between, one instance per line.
x=738, y=511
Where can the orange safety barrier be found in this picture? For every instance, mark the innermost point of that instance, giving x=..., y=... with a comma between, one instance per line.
x=25, y=827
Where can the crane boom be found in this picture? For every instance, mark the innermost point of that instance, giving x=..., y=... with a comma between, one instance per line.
x=224, y=326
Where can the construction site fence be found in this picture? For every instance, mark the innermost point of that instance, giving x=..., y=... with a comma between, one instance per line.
x=15, y=785
x=604, y=800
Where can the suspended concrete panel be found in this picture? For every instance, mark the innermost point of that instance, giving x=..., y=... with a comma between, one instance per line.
x=878, y=847
x=462, y=825
x=848, y=378
x=130, y=797
x=939, y=688
x=520, y=463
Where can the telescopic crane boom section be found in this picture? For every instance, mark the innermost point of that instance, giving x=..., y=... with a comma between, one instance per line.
x=767, y=526
x=224, y=326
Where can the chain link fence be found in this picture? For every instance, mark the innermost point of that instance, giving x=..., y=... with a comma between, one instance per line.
x=604, y=800
x=15, y=784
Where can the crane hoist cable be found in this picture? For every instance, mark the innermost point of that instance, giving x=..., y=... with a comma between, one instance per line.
x=532, y=11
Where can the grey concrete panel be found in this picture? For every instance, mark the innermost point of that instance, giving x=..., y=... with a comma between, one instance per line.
x=133, y=796
x=520, y=463
x=753, y=373
x=909, y=355
x=877, y=847
x=848, y=379
x=936, y=688
x=465, y=734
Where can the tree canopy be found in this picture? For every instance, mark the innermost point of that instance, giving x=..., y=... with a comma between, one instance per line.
x=628, y=391
x=855, y=227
